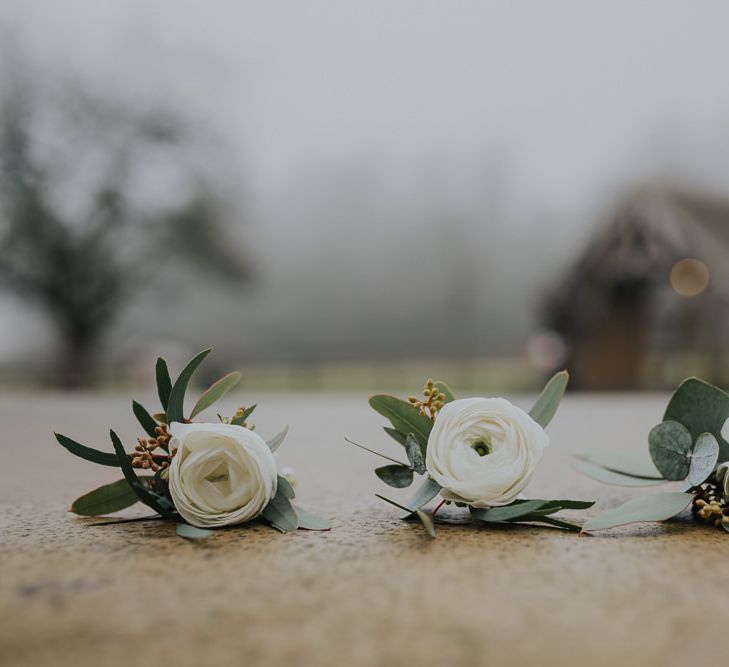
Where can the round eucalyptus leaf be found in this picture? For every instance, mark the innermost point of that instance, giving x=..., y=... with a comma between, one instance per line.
x=670, y=447
x=703, y=459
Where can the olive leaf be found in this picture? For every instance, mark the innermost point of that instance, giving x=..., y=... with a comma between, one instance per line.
x=505, y=512
x=176, y=404
x=215, y=392
x=145, y=420
x=548, y=402
x=241, y=419
x=425, y=518
x=396, y=435
x=275, y=442
x=87, y=453
x=164, y=382
x=657, y=507
x=404, y=417
x=428, y=490
x=108, y=498
x=444, y=389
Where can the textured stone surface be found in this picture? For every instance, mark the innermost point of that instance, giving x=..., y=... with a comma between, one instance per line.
x=374, y=591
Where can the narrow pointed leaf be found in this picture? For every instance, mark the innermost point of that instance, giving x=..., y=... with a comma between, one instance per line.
x=193, y=532
x=395, y=475
x=549, y=520
x=275, y=442
x=176, y=404
x=164, y=383
x=658, y=507
x=146, y=420
x=309, y=521
x=557, y=505
x=506, y=512
x=372, y=451
x=548, y=402
x=396, y=435
x=443, y=388
x=404, y=417
x=87, y=453
x=425, y=518
x=428, y=490
x=215, y=392
x=670, y=446
x=239, y=421
x=624, y=464
x=703, y=459
x=415, y=454
x=149, y=498
x=280, y=512
x=612, y=477
x=106, y=499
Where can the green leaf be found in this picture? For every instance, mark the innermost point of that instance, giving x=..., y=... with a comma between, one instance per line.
x=505, y=512
x=701, y=408
x=396, y=435
x=280, y=512
x=444, y=389
x=658, y=507
x=624, y=464
x=93, y=455
x=612, y=477
x=670, y=445
x=309, y=521
x=157, y=503
x=404, y=417
x=285, y=486
x=428, y=490
x=275, y=442
x=425, y=518
x=557, y=505
x=372, y=451
x=549, y=400
x=239, y=421
x=176, y=405
x=145, y=419
x=395, y=475
x=215, y=392
x=192, y=532
x=703, y=459
x=107, y=499
x=414, y=454
x=164, y=383
x=549, y=520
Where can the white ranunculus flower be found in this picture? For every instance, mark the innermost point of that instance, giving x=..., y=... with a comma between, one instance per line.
x=221, y=475
x=482, y=451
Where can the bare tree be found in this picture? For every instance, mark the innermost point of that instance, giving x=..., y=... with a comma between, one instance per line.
x=94, y=198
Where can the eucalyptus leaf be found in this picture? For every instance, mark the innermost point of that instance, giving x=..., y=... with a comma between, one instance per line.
x=701, y=408
x=176, y=404
x=275, y=442
x=309, y=521
x=215, y=392
x=625, y=464
x=657, y=507
x=107, y=499
x=395, y=475
x=414, y=454
x=280, y=512
x=612, y=477
x=404, y=417
x=192, y=532
x=285, y=486
x=428, y=490
x=164, y=383
x=549, y=520
x=87, y=453
x=703, y=459
x=548, y=402
x=670, y=445
x=505, y=512
x=444, y=389
x=145, y=420
x=396, y=435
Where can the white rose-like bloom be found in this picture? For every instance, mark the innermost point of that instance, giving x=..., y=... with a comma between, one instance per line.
x=221, y=475
x=482, y=451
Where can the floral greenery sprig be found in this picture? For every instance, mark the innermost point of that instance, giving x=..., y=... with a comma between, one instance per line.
x=476, y=452
x=205, y=475
x=689, y=447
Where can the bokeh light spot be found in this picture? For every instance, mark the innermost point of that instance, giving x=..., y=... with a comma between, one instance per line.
x=689, y=277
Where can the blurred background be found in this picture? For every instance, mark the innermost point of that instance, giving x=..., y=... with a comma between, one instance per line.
x=342, y=195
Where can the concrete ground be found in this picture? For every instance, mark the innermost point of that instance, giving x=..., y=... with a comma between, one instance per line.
x=374, y=591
